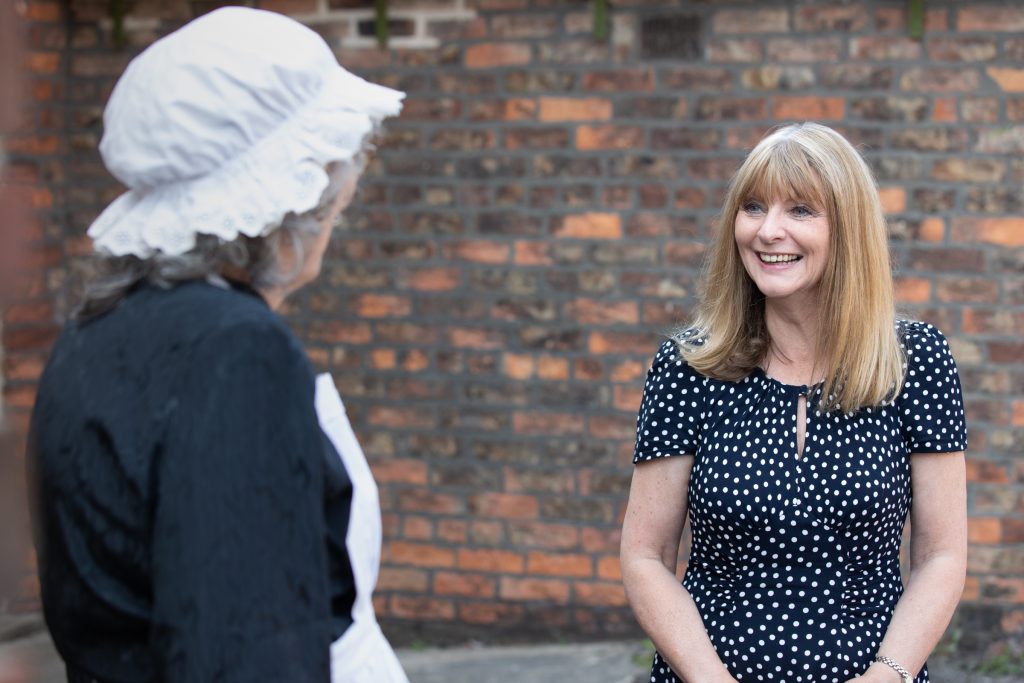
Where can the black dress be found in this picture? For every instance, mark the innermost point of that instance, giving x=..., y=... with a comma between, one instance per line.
x=190, y=513
x=794, y=565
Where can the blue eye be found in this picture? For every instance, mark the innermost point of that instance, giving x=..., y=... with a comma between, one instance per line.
x=801, y=211
x=752, y=207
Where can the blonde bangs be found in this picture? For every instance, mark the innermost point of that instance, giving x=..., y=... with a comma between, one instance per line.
x=858, y=351
x=782, y=172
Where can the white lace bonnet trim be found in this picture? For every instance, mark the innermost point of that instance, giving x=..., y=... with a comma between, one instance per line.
x=224, y=127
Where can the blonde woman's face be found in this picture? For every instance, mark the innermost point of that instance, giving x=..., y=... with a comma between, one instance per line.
x=784, y=246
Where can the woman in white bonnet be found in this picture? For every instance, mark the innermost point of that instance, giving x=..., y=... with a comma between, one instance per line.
x=192, y=519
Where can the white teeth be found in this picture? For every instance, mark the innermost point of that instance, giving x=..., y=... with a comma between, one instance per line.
x=778, y=258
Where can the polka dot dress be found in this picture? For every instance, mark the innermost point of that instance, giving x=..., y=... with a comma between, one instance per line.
x=794, y=564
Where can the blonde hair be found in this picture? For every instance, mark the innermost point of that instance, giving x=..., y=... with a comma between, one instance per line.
x=857, y=350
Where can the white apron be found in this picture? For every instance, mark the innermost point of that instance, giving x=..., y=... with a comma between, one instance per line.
x=362, y=654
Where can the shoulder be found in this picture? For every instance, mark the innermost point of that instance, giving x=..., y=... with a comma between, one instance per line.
x=921, y=341
x=916, y=331
x=221, y=325
x=670, y=358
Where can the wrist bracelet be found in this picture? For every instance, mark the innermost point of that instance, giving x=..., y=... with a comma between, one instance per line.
x=894, y=665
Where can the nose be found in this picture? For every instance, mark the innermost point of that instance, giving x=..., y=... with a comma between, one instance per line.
x=773, y=226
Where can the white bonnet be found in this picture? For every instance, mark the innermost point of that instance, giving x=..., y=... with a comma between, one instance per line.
x=225, y=126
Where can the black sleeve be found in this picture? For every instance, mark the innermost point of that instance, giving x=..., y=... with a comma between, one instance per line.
x=931, y=404
x=240, y=578
x=672, y=407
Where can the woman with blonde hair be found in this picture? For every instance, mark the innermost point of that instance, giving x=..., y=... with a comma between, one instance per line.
x=796, y=423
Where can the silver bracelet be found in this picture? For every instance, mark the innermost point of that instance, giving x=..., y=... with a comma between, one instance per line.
x=894, y=665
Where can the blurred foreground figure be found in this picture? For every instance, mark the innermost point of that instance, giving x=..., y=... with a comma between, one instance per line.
x=191, y=514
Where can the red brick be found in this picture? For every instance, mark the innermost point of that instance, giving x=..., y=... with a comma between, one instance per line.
x=452, y=530
x=417, y=529
x=1013, y=532
x=420, y=500
x=416, y=607
x=539, y=481
x=468, y=338
x=487, y=533
x=557, y=564
x=945, y=110
x=1007, y=232
x=401, y=579
x=532, y=253
x=503, y=505
x=846, y=18
x=557, y=109
x=501, y=561
x=290, y=6
x=598, y=312
x=395, y=417
x=735, y=50
x=967, y=290
x=1010, y=80
x=1002, y=322
x=983, y=530
x=618, y=342
x=590, y=138
x=381, y=306
x=1006, y=352
x=590, y=226
x=461, y=583
x=340, y=332
x=911, y=290
x=547, y=422
x=30, y=338
x=552, y=369
x=618, y=80
x=28, y=368
x=418, y=554
x=894, y=199
x=990, y=18
x=604, y=594
x=627, y=398
x=608, y=568
x=434, y=279
x=804, y=49
x=932, y=230
x=546, y=590
x=804, y=108
x=478, y=251
x=927, y=79
x=35, y=145
x=489, y=612
x=489, y=55
x=44, y=63
x=885, y=48
x=399, y=471
x=751, y=21
x=543, y=535
x=986, y=471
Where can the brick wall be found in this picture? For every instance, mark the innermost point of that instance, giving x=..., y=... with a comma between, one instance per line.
x=535, y=221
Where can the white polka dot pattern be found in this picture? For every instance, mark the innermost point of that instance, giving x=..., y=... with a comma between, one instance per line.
x=794, y=564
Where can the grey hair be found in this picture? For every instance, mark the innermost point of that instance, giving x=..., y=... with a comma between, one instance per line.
x=110, y=278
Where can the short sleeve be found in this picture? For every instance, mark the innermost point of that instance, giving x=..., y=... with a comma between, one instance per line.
x=931, y=404
x=240, y=573
x=672, y=408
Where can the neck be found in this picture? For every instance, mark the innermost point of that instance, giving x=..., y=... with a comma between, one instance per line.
x=274, y=296
x=793, y=329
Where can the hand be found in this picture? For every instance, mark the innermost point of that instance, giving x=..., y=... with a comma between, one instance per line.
x=877, y=673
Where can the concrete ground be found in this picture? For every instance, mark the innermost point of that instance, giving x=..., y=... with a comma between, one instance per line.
x=24, y=646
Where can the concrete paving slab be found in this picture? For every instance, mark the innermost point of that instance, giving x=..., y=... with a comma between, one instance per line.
x=592, y=662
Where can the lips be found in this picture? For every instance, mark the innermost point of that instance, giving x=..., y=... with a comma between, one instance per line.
x=778, y=258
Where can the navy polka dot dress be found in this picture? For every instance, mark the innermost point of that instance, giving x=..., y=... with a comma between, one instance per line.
x=794, y=565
